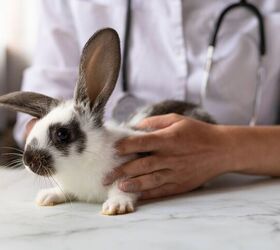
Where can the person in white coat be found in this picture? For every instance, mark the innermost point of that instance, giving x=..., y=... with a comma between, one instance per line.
x=166, y=59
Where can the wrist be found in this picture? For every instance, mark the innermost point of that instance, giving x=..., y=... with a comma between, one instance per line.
x=224, y=150
x=252, y=150
x=238, y=148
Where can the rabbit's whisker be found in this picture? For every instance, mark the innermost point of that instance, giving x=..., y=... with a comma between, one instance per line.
x=16, y=149
x=15, y=154
x=12, y=163
x=66, y=196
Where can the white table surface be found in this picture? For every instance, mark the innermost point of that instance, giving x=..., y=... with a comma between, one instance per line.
x=233, y=212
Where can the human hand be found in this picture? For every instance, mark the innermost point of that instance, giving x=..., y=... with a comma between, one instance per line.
x=29, y=127
x=185, y=154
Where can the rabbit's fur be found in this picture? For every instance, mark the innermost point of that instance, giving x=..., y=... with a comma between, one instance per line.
x=71, y=143
x=80, y=168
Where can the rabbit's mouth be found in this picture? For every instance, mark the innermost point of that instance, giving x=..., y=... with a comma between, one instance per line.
x=39, y=161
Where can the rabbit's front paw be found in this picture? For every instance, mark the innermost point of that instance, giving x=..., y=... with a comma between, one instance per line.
x=117, y=205
x=50, y=197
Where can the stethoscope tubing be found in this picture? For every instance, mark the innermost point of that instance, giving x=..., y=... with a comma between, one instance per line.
x=210, y=52
x=262, y=52
x=250, y=7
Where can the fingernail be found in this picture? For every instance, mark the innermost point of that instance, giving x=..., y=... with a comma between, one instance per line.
x=106, y=181
x=109, y=178
x=118, y=147
x=128, y=186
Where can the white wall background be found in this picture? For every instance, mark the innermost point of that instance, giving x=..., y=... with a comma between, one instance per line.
x=21, y=19
x=18, y=28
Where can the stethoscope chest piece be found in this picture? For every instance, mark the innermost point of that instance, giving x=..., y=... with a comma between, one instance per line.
x=128, y=103
x=126, y=106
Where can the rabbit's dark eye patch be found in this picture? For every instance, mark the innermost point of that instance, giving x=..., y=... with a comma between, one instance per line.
x=65, y=136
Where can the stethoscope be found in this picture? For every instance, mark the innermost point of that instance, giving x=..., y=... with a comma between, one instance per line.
x=131, y=100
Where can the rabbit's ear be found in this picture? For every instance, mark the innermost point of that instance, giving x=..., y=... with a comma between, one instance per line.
x=34, y=104
x=99, y=70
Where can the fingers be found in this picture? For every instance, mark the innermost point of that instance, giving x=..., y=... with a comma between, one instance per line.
x=151, y=141
x=139, y=144
x=162, y=191
x=146, y=182
x=30, y=124
x=137, y=167
x=29, y=127
x=159, y=122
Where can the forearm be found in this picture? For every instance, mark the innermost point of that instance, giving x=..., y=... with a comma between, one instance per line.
x=253, y=150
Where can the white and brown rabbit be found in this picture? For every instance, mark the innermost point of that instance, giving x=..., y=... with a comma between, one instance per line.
x=71, y=143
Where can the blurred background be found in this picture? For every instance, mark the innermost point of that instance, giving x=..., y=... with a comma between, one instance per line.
x=18, y=28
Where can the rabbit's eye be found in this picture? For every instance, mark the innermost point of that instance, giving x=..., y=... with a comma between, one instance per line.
x=66, y=136
x=63, y=135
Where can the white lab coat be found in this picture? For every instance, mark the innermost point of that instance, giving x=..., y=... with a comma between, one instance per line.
x=167, y=53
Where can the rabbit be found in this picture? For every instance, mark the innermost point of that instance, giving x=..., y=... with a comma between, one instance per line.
x=72, y=144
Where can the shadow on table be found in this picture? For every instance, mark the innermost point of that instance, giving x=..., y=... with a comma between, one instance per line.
x=225, y=184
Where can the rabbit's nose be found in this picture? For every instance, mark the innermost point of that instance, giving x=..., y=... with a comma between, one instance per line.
x=31, y=161
x=38, y=161
x=28, y=158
